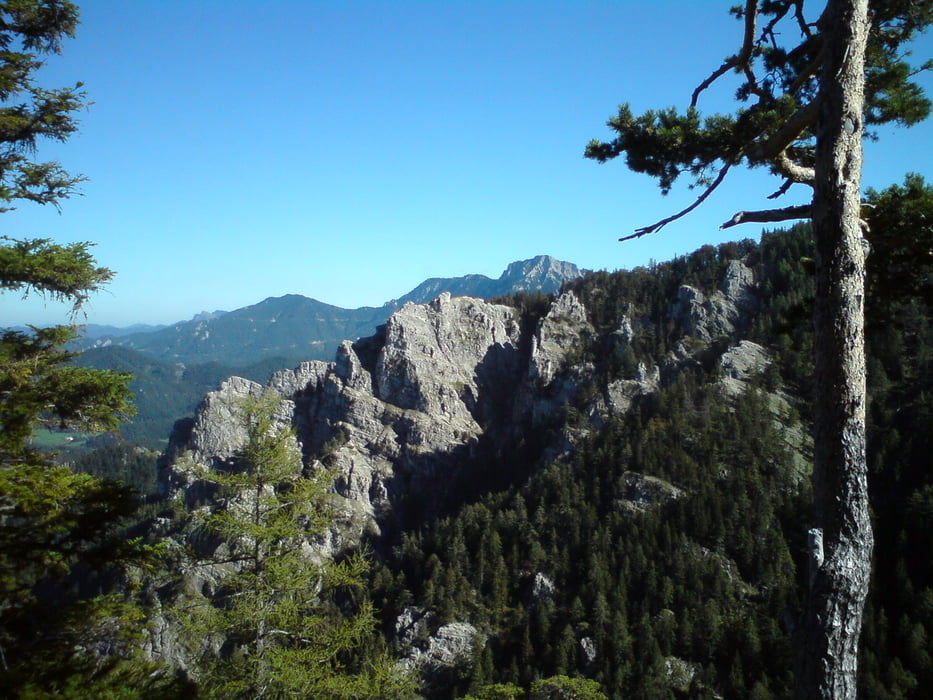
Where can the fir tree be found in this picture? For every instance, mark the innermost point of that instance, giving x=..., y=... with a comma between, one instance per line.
x=285, y=621
x=54, y=522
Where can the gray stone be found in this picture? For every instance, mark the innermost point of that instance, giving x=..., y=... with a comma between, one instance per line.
x=587, y=652
x=720, y=314
x=447, y=657
x=542, y=589
x=557, y=334
x=645, y=492
x=740, y=363
x=413, y=624
x=738, y=285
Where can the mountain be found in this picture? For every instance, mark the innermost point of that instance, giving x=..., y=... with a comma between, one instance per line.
x=539, y=274
x=609, y=484
x=606, y=483
x=290, y=326
x=94, y=331
x=164, y=391
x=300, y=328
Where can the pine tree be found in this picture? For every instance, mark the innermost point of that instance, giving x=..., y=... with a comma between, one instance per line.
x=805, y=108
x=53, y=520
x=286, y=621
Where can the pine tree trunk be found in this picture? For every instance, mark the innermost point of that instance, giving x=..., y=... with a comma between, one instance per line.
x=841, y=557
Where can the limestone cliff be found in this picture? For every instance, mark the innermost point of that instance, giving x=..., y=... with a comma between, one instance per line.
x=402, y=415
x=402, y=411
x=418, y=415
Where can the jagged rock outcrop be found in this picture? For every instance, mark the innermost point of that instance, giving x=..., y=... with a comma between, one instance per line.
x=740, y=363
x=557, y=334
x=644, y=492
x=620, y=393
x=446, y=657
x=720, y=313
x=399, y=415
x=738, y=286
x=408, y=416
x=413, y=624
x=542, y=589
x=588, y=653
x=400, y=411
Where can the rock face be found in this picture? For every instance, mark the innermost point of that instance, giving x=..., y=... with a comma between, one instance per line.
x=406, y=418
x=399, y=412
x=740, y=363
x=401, y=416
x=721, y=312
x=446, y=657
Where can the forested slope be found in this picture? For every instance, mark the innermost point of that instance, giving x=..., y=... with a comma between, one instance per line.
x=620, y=490
x=663, y=558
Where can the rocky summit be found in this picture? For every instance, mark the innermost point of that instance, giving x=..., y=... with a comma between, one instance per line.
x=400, y=415
x=446, y=397
x=401, y=412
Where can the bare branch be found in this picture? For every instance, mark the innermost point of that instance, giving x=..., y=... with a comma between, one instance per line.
x=801, y=20
x=793, y=171
x=741, y=59
x=768, y=216
x=768, y=32
x=645, y=230
x=782, y=190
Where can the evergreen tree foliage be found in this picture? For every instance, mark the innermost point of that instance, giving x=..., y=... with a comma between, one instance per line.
x=899, y=317
x=284, y=621
x=689, y=597
x=60, y=532
x=133, y=465
x=812, y=82
x=683, y=597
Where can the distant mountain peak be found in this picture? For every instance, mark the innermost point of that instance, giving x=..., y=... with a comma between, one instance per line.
x=541, y=271
x=297, y=327
x=208, y=315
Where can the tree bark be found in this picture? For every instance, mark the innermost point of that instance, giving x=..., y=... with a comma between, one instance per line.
x=828, y=647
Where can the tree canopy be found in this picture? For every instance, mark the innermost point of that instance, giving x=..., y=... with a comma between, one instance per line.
x=774, y=126
x=54, y=522
x=280, y=624
x=812, y=84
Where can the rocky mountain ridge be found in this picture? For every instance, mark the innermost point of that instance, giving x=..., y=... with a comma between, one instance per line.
x=401, y=411
x=294, y=326
x=435, y=406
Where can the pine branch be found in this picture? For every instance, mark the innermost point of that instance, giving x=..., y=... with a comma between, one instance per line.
x=645, y=230
x=795, y=125
x=739, y=60
x=768, y=216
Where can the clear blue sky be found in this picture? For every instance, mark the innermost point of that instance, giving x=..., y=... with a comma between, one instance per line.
x=347, y=150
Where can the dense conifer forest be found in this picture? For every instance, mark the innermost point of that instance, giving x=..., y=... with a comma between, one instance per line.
x=694, y=594
x=663, y=555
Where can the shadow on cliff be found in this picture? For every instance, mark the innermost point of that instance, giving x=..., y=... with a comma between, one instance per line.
x=430, y=486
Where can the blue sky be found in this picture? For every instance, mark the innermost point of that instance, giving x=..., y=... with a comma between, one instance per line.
x=348, y=150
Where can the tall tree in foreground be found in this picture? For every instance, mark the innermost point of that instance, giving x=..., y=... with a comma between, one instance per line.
x=51, y=519
x=805, y=108
x=282, y=622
